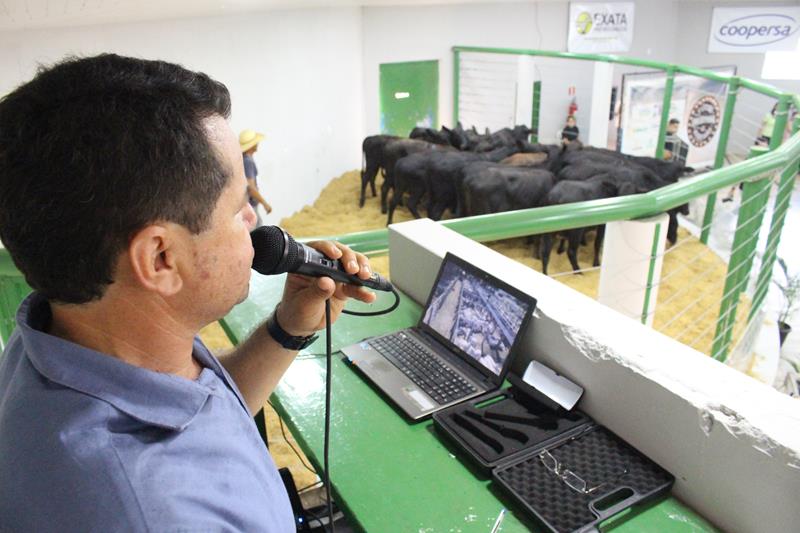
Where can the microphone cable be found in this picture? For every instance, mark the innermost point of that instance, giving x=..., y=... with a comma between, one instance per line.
x=377, y=313
x=326, y=478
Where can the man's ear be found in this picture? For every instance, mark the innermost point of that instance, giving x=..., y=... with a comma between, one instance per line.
x=154, y=260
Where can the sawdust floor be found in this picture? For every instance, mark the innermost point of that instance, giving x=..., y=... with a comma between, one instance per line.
x=688, y=297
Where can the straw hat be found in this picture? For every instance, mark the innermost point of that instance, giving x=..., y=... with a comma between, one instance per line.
x=249, y=138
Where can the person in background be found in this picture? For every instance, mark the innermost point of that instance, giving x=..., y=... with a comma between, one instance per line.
x=127, y=212
x=767, y=126
x=570, y=132
x=672, y=142
x=248, y=142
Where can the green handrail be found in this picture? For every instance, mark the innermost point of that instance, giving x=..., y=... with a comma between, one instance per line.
x=751, y=213
x=756, y=86
x=781, y=206
x=561, y=217
x=456, y=85
x=665, y=108
x=719, y=158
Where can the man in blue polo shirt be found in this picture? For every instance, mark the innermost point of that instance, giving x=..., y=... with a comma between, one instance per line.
x=123, y=200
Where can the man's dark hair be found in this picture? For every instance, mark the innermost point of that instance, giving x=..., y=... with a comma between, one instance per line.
x=94, y=149
x=674, y=121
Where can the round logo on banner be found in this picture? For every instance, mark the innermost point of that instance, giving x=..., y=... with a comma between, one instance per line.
x=703, y=120
x=584, y=23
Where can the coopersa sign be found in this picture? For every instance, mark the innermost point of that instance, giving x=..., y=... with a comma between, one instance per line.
x=754, y=30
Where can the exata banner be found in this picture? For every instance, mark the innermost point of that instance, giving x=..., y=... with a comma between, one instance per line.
x=600, y=27
x=754, y=30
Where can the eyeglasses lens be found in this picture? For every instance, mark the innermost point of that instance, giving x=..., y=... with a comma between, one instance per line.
x=549, y=462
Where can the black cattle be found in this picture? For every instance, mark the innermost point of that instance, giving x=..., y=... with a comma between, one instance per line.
x=410, y=175
x=502, y=137
x=496, y=188
x=584, y=171
x=640, y=178
x=554, y=153
x=589, y=157
x=446, y=187
x=458, y=137
x=474, y=138
x=437, y=174
x=431, y=135
x=668, y=171
x=636, y=180
x=392, y=153
x=566, y=192
x=373, y=160
x=446, y=137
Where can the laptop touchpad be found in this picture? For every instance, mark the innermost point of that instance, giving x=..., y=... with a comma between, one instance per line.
x=381, y=365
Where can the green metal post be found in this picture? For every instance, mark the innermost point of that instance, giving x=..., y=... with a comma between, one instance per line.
x=751, y=213
x=13, y=289
x=535, y=108
x=781, y=119
x=662, y=128
x=782, y=200
x=456, y=84
x=650, y=273
x=719, y=160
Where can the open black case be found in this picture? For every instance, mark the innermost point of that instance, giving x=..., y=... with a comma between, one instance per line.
x=559, y=465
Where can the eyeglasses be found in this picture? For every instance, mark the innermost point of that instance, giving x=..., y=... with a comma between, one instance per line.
x=570, y=478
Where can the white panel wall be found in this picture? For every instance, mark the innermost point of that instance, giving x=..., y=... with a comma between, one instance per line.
x=692, y=49
x=294, y=75
x=488, y=90
x=411, y=33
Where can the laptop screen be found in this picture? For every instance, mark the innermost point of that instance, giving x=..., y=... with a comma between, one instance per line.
x=476, y=313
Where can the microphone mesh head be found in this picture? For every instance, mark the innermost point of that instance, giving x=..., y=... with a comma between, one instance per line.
x=269, y=243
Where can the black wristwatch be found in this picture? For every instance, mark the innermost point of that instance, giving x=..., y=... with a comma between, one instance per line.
x=290, y=342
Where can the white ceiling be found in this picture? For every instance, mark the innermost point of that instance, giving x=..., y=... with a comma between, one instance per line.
x=26, y=14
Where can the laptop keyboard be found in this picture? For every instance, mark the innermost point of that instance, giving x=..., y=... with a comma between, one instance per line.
x=429, y=373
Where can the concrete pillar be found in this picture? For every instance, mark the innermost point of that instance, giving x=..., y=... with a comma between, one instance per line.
x=631, y=268
x=601, y=104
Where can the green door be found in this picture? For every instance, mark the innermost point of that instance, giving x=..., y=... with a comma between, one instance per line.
x=409, y=96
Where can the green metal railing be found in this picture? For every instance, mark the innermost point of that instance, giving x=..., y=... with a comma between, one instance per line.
x=755, y=172
x=13, y=290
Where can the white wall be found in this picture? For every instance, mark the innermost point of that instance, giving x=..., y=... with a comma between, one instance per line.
x=394, y=34
x=293, y=75
x=309, y=78
x=691, y=38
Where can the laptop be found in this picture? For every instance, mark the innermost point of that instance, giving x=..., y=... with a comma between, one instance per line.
x=462, y=346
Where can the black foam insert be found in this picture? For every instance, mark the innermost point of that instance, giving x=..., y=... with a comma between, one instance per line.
x=497, y=427
x=597, y=456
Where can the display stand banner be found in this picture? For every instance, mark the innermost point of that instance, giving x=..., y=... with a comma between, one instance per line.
x=600, y=27
x=696, y=102
x=754, y=30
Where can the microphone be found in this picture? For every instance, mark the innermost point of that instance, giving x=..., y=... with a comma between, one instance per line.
x=277, y=252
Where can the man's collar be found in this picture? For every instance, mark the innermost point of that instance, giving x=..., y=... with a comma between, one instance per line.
x=156, y=398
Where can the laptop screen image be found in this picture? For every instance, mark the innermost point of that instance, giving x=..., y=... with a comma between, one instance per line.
x=475, y=315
